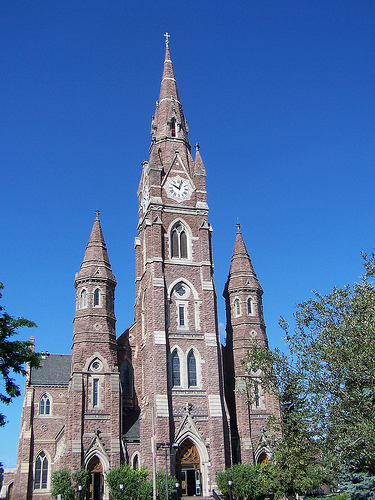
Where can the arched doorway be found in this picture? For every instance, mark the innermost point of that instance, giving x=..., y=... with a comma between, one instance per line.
x=96, y=483
x=263, y=458
x=188, y=469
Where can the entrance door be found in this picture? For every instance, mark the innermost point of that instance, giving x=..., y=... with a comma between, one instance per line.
x=188, y=469
x=95, y=469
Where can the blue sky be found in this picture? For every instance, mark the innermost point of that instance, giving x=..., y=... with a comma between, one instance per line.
x=280, y=96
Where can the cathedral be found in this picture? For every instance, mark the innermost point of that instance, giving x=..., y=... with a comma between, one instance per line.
x=165, y=387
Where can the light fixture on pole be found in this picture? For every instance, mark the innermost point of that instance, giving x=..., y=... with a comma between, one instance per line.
x=230, y=484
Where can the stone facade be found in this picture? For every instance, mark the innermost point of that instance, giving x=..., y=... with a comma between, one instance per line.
x=164, y=376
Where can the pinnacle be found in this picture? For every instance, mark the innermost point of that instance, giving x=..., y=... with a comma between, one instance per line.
x=241, y=262
x=198, y=160
x=96, y=256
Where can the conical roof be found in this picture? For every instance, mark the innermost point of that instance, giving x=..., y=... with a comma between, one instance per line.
x=95, y=262
x=241, y=264
x=168, y=107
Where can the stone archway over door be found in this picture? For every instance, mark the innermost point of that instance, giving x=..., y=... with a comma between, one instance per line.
x=96, y=485
x=188, y=469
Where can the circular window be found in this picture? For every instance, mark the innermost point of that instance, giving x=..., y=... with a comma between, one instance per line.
x=96, y=365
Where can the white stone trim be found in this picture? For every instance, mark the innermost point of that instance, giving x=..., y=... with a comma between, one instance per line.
x=159, y=337
x=210, y=339
x=162, y=408
x=215, y=405
x=207, y=285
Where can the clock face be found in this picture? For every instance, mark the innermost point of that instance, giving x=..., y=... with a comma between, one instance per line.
x=178, y=189
x=145, y=197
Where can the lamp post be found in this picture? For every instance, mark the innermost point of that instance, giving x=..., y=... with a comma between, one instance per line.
x=173, y=458
x=121, y=487
x=177, y=485
x=166, y=474
x=230, y=484
x=79, y=490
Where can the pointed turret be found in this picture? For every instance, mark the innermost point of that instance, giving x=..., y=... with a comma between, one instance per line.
x=94, y=389
x=245, y=327
x=95, y=287
x=95, y=261
x=241, y=265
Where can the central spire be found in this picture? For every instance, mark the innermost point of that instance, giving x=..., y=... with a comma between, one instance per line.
x=169, y=121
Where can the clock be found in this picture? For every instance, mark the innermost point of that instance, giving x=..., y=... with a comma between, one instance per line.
x=145, y=197
x=178, y=189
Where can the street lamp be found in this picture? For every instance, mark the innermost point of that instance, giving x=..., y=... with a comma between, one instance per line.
x=177, y=485
x=79, y=489
x=230, y=484
x=173, y=458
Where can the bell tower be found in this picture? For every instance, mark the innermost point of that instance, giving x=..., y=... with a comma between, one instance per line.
x=178, y=353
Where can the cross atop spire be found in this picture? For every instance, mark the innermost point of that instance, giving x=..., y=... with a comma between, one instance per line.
x=167, y=35
x=97, y=213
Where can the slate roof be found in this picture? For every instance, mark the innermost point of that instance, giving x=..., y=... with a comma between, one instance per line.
x=53, y=370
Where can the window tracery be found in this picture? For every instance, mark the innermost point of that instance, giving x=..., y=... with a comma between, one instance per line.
x=41, y=472
x=179, y=242
x=44, y=405
x=176, y=379
x=192, y=370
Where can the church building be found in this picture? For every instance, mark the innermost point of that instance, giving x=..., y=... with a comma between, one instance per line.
x=167, y=379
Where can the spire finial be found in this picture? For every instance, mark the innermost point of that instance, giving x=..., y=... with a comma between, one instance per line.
x=97, y=213
x=197, y=146
x=167, y=35
x=238, y=226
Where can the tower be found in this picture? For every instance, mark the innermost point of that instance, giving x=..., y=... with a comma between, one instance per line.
x=93, y=417
x=177, y=360
x=245, y=326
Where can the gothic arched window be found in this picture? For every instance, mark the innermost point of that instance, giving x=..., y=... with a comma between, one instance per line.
x=256, y=396
x=249, y=306
x=95, y=392
x=126, y=379
x=136, y=462
x=192, y=370
x=41, y=472
x=176, y=381
x=179, y=242
x=237, y=307
x=44, y=405
x=96, y=298
x=173, y=128
x=83, y=299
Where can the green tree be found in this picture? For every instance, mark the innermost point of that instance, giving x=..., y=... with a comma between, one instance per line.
x=326, y=381
x=62, y=485
x=160, y=486
x=133, y=483
x=13, y=355
x=81, y=478
x=359, y=485
x=251, y=482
